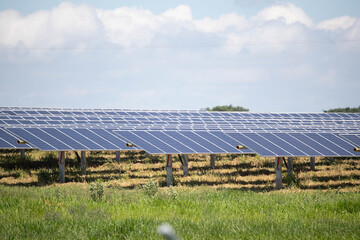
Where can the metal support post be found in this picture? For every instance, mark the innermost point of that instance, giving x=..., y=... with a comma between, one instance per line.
x=312, y=163
x=169, y=175
x=117, y=156
x=62, y=166
x=278, y=165
x=185, y=164
x=83, y=163
x=331, y=159
x=290, y=166
x=22, y=153
x=212, y=161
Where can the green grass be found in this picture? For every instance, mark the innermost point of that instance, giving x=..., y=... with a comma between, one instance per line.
x=68, y=212
x=128, y=200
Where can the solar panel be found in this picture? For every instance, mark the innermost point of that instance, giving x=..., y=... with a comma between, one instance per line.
x=268, y=134
x=353, y=138
x=183, y=142
x=9, y=141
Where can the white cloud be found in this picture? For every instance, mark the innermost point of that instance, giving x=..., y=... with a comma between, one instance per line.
x=66, y=24
x=180, y=13
x=342, y=23
x=222, y=24
x=288, y=13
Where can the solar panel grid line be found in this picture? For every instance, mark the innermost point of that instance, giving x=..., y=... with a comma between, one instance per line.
x=69, y=147
x=303, y=137
x=67, y=138
x=147, y=145
x=221, y=142
x=305, y=147
x=336, y=144
x=105, y=143
x=211, y=144
x=112, y=137
x=5, y=144
x=88, y=142
x=252, y=145
x=324, y=142
x=199, y=148
x=11, y=139
x=188, y=146
x=29, y=137
x=291, y=145
x=279, y=153
x=175, y=143
x=162, y=144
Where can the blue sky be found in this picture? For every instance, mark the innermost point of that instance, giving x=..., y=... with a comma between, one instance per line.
x=268, y=56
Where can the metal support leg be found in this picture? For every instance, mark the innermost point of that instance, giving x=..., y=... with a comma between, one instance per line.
x=331, y=159
x=212, y=161
x=312, y=163
x=169, y=175
x=83, y=163
x=62, y=166
x=290, y=167
x=22, y=153
x=278, y=165
x=185, y=164
x=117, y=156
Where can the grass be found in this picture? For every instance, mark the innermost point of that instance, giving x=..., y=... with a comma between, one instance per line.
x=69, y=212
x=236, y=200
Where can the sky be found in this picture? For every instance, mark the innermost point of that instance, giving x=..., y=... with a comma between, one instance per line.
x=267, y=56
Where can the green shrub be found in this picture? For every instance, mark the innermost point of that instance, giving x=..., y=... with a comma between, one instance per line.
x=97, y=191
x=150, y=188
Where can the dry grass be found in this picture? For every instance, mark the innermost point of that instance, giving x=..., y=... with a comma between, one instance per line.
x=135, y=169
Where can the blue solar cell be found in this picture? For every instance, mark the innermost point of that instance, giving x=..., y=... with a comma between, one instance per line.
x=25, y=135
x=298, y=144
x=221, y=143
x=187, y=141
x=173, y=142
x=353, y=138
x=294, y=150
x=97, y=139
x=252, y=145
x=81, y=139
x=8, y=141
x=155, y=141
x=313, y=143
x=273, y=147
x=11, y=121
x=110, y=136
x=141, y=143
x=223, y=136
x=336, y=144
x=203, y=142
x=64, y=138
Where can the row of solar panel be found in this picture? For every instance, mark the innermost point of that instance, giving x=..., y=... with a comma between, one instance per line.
x=137, y=123
x=160, y=142
x=62, y=139
x=75, y=120
x=257, y=129
x=67, y=112
x=265, y=144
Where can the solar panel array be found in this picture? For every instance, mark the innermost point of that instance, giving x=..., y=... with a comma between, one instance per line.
x=160, y=132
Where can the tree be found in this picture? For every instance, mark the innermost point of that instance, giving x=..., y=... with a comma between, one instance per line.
x=347, y=109
x=228, y=108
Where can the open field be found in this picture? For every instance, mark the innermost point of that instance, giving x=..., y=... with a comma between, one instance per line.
x=236, y=200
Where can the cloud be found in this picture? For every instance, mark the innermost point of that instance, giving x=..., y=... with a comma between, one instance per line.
x=339, y=23
x=255, y=61
x=65, y=25
x=287, y=13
